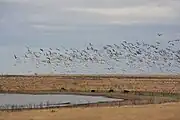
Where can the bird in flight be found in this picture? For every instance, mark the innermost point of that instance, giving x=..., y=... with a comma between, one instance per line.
x=41, y=49
x=15, y=56
x=159, y=34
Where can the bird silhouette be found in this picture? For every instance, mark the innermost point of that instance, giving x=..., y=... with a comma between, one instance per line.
x=15, y=56
x=159, y=34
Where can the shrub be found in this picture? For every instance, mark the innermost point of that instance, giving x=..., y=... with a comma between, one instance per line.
x=53, y=111
x=93, y=90
x=126, y=91
x=111, y=90
x=63, y=89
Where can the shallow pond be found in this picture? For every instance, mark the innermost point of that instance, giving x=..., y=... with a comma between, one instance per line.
x=27, y=99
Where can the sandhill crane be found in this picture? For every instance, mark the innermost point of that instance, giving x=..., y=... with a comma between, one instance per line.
x=134, y=55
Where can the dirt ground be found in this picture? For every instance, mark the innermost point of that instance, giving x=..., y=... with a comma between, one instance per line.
x=168, y=111
x=87, y=83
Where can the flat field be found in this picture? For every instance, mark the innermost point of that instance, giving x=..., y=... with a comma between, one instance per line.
x=102, y=83
x=168, y=111
x=84, y=83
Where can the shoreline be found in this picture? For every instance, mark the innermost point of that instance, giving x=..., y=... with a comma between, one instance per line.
x=127, y=100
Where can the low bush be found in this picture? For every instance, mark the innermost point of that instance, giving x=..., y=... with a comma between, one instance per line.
x=111, y=90
x=93, y=90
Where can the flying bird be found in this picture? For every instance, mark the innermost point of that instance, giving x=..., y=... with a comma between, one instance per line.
x=159, y=34
x=41, y=50
x=15, y=56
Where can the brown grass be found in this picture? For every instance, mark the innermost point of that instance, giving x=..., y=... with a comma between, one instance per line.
x=42, y=83
x=168, y=111
x=86, y=83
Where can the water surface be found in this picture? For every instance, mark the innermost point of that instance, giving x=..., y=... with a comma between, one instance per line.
x=26, y=99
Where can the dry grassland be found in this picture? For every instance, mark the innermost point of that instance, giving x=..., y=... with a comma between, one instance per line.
x=168, y=111
x=87, y=83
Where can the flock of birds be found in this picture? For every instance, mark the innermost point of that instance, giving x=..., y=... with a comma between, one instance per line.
x=137, y=56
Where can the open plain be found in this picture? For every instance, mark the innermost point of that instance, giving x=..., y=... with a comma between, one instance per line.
x=163, y=88
x=85, y=83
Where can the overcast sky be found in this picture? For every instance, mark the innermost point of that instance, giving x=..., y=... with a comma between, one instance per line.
x=74, y=23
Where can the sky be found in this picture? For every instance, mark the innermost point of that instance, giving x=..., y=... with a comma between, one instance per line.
x=74, y=23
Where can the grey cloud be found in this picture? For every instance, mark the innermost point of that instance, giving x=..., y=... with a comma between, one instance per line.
x=54, y=15
x=93, y=3
x=92, y=12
